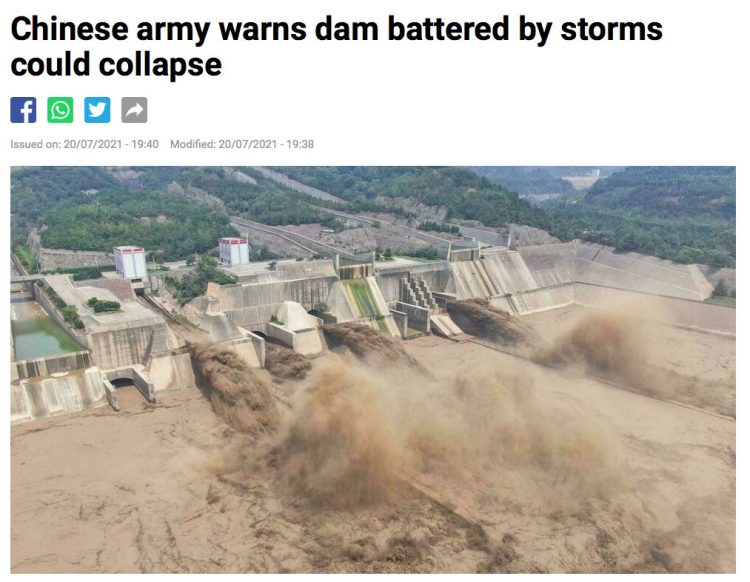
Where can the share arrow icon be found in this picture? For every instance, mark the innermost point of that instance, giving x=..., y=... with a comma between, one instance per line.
x=134, y=109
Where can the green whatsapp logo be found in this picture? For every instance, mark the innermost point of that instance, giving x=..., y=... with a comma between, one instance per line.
x=59, y=110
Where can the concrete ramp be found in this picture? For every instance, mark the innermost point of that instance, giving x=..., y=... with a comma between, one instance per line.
x=497, y=273
x=600, y=265
x=670, y=310
x=219, y=327
x=294, y=327
x=551, y=264
x=385, y=325
x=441, y=324
x=309, y=343
x=367, y=305
x=472, y=280
x=364, y=298
x=543, y=299
x=293, y=317
x=171, y=372
x=509, y=272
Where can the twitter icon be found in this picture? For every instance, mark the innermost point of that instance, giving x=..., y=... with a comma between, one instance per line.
x=96, y=110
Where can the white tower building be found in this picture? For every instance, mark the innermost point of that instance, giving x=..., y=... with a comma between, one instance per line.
x=130, y=262
x=234, y=251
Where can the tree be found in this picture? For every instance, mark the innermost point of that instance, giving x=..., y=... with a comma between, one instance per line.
x=721, y=289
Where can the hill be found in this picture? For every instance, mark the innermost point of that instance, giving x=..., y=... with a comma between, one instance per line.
x=668, y=192
x=463, y=193
x=680, y=213
x=533, y=181
x=177, y=211
x=685, y=214
x=524, y=179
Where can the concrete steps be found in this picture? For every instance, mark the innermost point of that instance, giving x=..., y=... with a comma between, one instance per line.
x=415, y=291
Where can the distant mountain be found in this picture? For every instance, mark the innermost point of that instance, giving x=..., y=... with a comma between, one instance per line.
x=532, y=181
x=685, y=214
x=681, y=213
x=668, y=192
x=524, y=179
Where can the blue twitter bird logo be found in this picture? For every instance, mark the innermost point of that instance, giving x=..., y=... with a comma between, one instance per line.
x=96, y=110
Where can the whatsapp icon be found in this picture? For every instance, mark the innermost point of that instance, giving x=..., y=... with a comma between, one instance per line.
x=59, y=110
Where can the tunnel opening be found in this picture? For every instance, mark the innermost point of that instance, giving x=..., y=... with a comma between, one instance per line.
x=129, y=397
x=122, y=383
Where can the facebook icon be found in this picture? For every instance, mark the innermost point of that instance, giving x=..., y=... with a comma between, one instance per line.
x=23, y=109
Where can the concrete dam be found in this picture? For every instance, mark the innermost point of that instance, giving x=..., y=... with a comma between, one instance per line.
x=290, y=301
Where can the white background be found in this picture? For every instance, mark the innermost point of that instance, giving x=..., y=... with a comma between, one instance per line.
x=679, y=101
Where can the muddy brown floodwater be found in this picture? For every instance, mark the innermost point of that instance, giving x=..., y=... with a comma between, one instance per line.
x=490, y=463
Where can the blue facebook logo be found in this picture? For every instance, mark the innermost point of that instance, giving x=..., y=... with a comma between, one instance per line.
x=23, y=110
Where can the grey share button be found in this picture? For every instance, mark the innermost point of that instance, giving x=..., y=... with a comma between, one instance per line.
x=134, y=110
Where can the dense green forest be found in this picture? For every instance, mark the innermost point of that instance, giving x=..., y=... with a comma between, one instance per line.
x=524, y=179
x=668, y=192
x=264, y=201
x=538, y=179
x=681, y=213
x=155, y=221
x=98, y=208
x=686, y=214
x=464, y=194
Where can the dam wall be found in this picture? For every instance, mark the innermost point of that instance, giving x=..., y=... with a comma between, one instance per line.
x=308, y=292
x=127, y=345
x=251, y=349
x=600, y=265
x=544, y=299
x=497, y=273
x=418, y=318
x=364, y=297
x=670, y=310
x=531, y=279
x=72, y=392
x=503, y=272
x=220, y=327
x=171, y=372
x=46, y=366
x=438, y=276
x=307, y=342
x=552, y=264
x=367, y=305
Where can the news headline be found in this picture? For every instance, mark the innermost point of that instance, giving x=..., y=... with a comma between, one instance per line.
x=144, y=63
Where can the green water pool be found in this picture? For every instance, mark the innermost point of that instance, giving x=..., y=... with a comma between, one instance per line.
x=42, y=337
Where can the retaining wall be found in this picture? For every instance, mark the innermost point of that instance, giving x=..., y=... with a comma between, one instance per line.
x=418, y=317
x=72, y=392
x=43, y=367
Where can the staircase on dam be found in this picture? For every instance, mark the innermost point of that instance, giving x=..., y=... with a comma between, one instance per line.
x=418, y=302
x=414, y=291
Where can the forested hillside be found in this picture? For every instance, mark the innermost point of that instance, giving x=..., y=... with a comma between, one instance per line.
x=668, y=192
x=465, y=194
x=178, y=211
x=682, y=213
x=524, y=179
